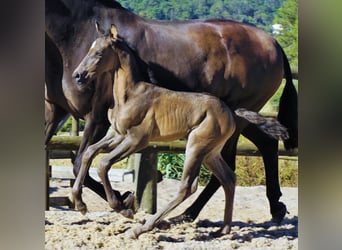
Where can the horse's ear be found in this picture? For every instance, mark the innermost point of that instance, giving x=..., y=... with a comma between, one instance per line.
x=98, y=29
x=113, y=32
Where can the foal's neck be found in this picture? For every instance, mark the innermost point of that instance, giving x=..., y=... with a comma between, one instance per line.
x=126, y=76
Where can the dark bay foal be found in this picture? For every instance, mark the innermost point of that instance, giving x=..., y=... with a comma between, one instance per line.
x=144, y=112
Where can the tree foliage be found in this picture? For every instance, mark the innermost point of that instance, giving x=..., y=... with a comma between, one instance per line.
x=287, y=16
x=257, y=12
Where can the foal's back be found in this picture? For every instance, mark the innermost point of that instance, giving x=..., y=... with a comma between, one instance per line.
x=172, y=115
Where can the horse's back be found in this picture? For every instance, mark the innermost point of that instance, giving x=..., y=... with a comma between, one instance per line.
x=229, y=59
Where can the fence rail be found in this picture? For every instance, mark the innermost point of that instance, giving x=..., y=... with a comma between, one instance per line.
x=70, y=143
x=145, y=164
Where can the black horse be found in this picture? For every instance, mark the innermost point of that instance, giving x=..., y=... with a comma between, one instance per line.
x=240, y=64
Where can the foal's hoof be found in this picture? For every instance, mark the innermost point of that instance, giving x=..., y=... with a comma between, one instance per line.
x=278, y=213
x=130, y=201
x=133, y=233
x=83, y=209
x=128, y=213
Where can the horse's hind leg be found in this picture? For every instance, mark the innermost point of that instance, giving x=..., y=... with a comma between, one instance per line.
x=269, y=150
x=226, y=176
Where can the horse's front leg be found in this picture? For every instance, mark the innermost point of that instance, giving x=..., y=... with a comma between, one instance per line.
x=87, y=158
x=127, y=146
x=53, y=116
x=93, y=132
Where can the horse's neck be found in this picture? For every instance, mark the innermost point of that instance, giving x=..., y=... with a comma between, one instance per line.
x=130, y=26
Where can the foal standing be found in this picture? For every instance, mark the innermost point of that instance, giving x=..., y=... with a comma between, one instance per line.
x=144, y=112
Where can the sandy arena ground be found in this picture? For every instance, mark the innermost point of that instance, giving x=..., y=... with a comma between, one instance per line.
x=101, y=228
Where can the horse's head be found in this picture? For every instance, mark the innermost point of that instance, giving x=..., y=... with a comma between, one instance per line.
x=101, y=58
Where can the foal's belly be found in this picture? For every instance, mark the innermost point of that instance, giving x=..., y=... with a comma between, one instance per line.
x=170, y=128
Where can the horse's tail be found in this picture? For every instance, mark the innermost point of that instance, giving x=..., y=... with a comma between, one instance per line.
x=288, y=107
x=270, y=126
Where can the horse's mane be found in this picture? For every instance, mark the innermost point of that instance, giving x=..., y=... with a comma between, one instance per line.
x=57, y=7
x=79, y=7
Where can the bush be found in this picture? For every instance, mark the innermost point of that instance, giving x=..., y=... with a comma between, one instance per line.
x=67, y=125
x=250, y=170
x=171, y=166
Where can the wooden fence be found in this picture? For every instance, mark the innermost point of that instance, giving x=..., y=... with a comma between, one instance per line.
x=144, y=165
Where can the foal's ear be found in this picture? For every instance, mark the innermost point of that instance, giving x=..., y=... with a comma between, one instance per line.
x=98, y=29
x=113, y=32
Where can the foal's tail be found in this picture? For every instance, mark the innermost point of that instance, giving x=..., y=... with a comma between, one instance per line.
x=270, y=126
x=288, y=107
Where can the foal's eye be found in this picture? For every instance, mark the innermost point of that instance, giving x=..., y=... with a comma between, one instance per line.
x=98, y=53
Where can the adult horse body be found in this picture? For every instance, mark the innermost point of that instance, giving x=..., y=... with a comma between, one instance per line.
x=238, y=63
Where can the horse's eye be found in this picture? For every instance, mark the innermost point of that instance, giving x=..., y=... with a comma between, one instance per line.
x=98, y=53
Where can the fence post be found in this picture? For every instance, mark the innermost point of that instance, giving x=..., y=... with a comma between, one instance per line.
x=47, y=180
x=75, y=126
x=146, y=181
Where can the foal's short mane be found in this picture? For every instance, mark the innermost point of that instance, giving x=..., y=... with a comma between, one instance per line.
x=137, y=65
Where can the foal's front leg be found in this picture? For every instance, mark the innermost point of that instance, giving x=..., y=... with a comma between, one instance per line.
x=87, y=158
x=127, y=146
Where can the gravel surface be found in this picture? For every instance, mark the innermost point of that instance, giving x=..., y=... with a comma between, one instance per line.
x=101, y=228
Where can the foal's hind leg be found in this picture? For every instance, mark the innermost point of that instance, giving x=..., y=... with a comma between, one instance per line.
x=226, y=176
x=191, y=213
x=194, y=154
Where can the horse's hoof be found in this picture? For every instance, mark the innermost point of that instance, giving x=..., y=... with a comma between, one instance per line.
x=164, y=225
x=222, y=231
x=181, y=219
x=279, y=213
x=128, y=213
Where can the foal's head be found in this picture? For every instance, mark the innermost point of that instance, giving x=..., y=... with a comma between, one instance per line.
x=101, y=57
